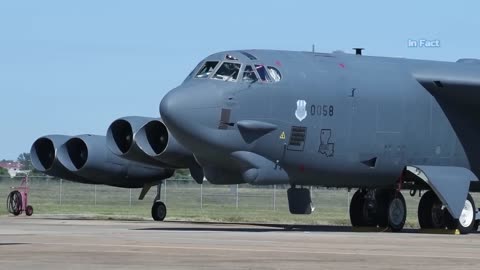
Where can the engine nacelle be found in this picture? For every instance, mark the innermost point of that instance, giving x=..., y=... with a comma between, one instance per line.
x=44, y=158
x=154, y=139
x=121, y=140
x=147, y=140
x=89, y=157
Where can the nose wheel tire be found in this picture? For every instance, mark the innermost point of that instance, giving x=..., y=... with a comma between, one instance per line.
x=159, y=211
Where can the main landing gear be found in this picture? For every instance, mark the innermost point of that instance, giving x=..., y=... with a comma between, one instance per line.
x=159, y=209
x=379, y=207
x=432, y=214
x=386, y=208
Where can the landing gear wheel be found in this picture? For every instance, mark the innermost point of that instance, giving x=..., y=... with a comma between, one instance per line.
x=397, y=212
x=29, y=210
x=381, y=210
x=356, y=209
x=431, y=213
x=475, y=227
x=466, y=223
x=369, y=208
x=159, y=211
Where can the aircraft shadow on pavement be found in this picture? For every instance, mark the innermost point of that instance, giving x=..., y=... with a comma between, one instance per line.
x=12, y=244
x=254, y=227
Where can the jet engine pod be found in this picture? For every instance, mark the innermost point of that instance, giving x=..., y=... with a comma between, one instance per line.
x=121, y=139
x=89, y=157
x=44, y=158
x=154, y=139
x=43, y=151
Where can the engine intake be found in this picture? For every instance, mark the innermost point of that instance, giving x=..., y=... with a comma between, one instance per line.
x=43, y=154
x=154, y=139
x=77, y=150
x=122, y=133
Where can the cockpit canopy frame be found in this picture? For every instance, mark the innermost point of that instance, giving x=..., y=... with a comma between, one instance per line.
x=232, y=70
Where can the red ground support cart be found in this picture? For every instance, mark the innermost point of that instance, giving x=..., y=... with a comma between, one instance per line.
x=17, y=200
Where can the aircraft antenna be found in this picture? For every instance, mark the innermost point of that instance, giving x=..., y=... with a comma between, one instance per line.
x=358, y=51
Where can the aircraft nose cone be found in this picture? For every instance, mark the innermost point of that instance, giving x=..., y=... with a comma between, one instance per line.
x=175, y=110
x=168, y=105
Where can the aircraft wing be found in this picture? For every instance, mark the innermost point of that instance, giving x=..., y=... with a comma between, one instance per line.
x=458, y=94
x=456, y=90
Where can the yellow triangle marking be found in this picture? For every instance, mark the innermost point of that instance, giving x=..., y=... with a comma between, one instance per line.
x=283, y=136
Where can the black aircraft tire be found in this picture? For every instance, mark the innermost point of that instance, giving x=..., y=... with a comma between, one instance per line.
x=466, y=223
x=159, y=211
x=475, y=227
x=425, y=210
x=382, y=198
x=357, y=208
x=397, y=212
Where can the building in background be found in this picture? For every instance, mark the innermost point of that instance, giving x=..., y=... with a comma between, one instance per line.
x=12, y=167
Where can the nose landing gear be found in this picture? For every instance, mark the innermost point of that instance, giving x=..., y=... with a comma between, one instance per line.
x=159, y=209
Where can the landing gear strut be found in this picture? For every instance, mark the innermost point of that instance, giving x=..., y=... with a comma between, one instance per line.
x=380, y=207
x=159, y=209
x=432, y=214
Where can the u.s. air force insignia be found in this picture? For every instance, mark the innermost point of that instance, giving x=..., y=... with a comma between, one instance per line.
x=301, y=112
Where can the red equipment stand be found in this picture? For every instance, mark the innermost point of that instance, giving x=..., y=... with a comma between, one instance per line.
x=17, y=200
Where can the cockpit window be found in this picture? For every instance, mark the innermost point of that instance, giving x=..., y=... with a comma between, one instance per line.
x=274, y=74
x=207, y=69
x=227, y=72
x=262, y=72
x=249, y=74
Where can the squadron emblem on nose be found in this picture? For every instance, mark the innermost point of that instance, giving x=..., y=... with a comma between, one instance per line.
x=301, y=112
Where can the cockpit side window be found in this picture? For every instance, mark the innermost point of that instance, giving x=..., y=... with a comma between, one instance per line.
x=207, y=69
x=249, y=74
x=262, y=72
x=274, y=74
x=227, y=72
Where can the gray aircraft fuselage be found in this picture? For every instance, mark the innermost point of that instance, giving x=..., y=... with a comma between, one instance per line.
x=338, y=120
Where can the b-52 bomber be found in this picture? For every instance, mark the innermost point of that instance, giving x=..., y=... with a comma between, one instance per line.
x=262, y=117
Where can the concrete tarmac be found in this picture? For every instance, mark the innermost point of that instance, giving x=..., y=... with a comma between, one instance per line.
x=54, y=243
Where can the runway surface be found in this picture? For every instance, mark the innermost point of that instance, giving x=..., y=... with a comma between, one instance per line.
x=51, y=243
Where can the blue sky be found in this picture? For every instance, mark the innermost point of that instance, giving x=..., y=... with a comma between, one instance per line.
x=73, y=67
